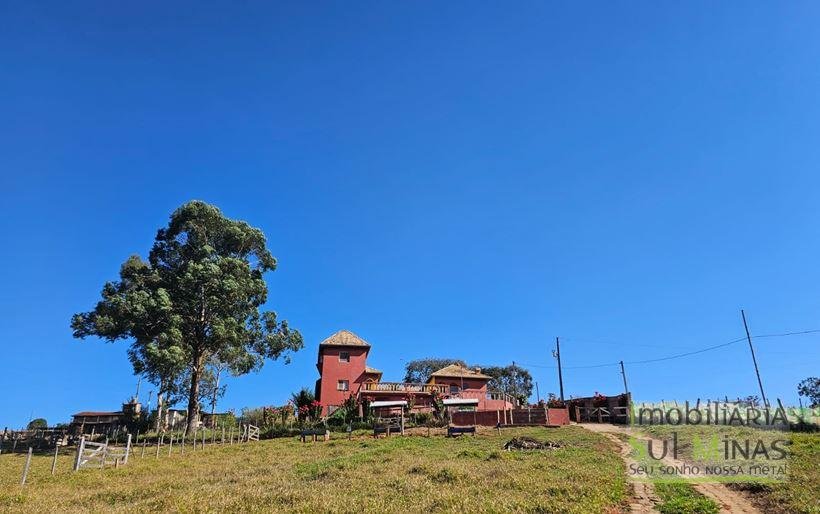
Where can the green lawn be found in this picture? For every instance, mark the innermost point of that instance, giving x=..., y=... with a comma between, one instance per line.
x=412, y=474
x=682, y=498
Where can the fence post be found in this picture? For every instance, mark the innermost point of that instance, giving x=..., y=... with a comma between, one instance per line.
x=223, y=434
x=230, y=439
x=171, y=446
x=156, y=456
x=127, y=449
x=182, y=448
x=54, y=460
x=25, y=469
x=80, y=449
x=203, y=438
x=144, y=442
x=104, y=451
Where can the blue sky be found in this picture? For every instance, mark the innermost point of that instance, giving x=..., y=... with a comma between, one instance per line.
x=444, y=179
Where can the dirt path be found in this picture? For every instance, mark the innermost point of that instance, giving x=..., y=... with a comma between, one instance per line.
x=729, y=501
x=644, y=498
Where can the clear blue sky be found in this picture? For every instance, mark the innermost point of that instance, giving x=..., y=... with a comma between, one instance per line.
x=444, y=179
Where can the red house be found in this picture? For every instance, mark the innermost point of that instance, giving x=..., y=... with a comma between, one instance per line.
x=343, y=371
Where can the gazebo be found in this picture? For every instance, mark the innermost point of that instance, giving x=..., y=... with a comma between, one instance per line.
x=386, y=419
x=460, y=403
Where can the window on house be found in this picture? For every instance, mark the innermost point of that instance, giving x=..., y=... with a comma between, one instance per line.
x=454, y=389
x=343, y=385
x=344, y=356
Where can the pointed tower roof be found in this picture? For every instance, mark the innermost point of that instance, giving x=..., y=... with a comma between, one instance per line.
x=344, y=338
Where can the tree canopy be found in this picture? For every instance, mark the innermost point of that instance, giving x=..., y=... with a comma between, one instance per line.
x=810, y=388
x=196, y=298
x=419, y=371
x=37, y=423
x=513, y=380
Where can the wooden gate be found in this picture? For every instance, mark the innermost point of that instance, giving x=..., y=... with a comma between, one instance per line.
x=251, y=433
x=97, y=455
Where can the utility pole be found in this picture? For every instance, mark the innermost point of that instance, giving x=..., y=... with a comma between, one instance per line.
x=515, y=387
x=537, y=393
x=557, y=355
x=623, y=373
x=754, y=359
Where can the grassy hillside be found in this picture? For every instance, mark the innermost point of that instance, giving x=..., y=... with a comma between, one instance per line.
x=798, y=493
x=414, y=473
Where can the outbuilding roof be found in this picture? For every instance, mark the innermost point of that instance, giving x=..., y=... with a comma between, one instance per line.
x=458, y=371
x=372, y=371
x=388, y=403
x=90, y=413
x=344, y=338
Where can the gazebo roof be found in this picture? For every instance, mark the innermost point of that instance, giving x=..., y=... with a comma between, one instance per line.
x=388, y=403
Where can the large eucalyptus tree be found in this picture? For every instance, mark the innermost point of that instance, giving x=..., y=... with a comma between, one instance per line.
x=196, y=298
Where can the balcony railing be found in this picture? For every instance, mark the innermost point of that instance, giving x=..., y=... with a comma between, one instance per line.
x=443, y=389
x=403, y=387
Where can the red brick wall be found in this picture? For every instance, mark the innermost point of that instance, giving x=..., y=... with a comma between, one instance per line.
x=559, y=416
x=489, y=418
x=332, y=370
x=483, y=418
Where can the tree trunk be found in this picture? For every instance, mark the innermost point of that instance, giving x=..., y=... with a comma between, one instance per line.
x=213, y=399
x=159, y=412
x=193, y=394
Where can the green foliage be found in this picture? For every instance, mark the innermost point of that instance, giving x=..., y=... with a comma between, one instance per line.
x=37, y=423
x=681, y=498
x=196, y=298
x=810, y=388
x=346, y=413
x=303, y=398
x=419, y=371
x=422, y=418
x=513, y=380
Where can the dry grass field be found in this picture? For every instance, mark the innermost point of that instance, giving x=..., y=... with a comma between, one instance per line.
x=400, y=474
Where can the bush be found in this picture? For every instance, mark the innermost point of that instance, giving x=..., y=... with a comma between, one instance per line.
x=38, y=423
x=422, y=418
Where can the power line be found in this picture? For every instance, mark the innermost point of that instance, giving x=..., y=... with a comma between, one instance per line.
x=679, y=355
x=675, y=356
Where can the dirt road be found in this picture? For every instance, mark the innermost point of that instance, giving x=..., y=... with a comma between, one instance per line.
x=729, y=501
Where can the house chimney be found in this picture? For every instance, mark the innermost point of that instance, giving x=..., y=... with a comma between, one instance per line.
x=477, y=369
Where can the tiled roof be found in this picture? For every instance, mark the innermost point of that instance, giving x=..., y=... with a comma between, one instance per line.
x=454, y=370
x=89, y=413
x=344, y=338
x=373, y=371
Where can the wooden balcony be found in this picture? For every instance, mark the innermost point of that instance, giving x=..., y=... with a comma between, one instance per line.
x=403, y=387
